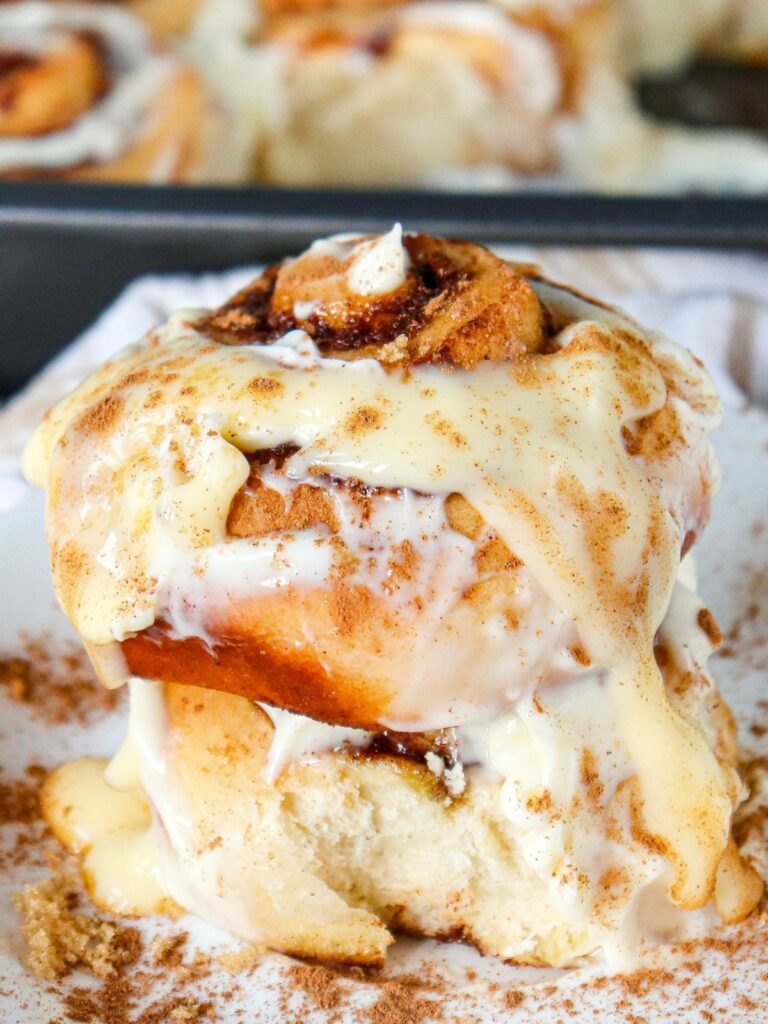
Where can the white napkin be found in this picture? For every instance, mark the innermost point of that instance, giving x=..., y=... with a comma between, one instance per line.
x=714, y=303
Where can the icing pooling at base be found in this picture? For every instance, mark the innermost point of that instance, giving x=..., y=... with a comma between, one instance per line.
x=143, y=461
x=113, y=124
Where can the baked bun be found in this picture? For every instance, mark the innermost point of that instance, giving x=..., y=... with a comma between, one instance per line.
x=86, y=95
x=368, y=93
x=399, y=535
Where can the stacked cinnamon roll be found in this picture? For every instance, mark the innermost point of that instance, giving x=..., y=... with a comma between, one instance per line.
x=85, y=94
x=392, y=550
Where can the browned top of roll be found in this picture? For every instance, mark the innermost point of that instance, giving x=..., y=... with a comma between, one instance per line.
x=459, y=305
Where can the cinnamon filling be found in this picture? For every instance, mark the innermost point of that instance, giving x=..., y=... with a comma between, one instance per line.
x=459, y=305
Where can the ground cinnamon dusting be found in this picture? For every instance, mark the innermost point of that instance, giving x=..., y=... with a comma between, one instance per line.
x=322, y=986
x=56, y=681
x=25, y=841
x=399, y=1003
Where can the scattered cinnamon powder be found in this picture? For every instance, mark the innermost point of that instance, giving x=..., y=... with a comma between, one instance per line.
x=324, y=988
x=26, y=836
x=706, y=621
x=99, y=418
x=56, y=681
x=20, y=797
x=400, y=1002
x=15, y=674
x=513, y=997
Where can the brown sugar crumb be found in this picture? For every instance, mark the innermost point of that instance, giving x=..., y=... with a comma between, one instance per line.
x=236, y=960
x=707, y=624
x=56, y=681
x=61, y=937
x=169, y=950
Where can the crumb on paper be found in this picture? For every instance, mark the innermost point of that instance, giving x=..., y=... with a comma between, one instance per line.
x=60, y=937
x=236, y=960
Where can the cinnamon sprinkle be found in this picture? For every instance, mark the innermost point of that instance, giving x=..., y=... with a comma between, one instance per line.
x=55, y=680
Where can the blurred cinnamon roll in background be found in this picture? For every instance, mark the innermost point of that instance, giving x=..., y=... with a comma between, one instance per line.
x=662, y=35
x=85, y=94
x=393, y=550
x=466, y=94
x=356, y=93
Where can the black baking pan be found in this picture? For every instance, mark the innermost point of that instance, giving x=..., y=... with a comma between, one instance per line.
x=66, y=250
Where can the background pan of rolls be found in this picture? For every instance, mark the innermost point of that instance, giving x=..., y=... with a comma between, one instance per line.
x=489, y=119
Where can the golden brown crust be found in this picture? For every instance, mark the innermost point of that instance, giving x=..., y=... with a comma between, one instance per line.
x=176, y=127
x=316, y=652
x=459, y=305
x=277, y=9
x=166, y=18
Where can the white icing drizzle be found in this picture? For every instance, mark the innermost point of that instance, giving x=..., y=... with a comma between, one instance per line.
x=380, y=265
x=298, y=738
x=105, y=131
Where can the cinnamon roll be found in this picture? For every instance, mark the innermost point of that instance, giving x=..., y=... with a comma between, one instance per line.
x=362, y=93
x=85, y=94
x=393, y=550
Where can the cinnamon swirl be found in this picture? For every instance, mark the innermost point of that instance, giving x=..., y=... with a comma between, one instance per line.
x=393, y=548
x=85, y=94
